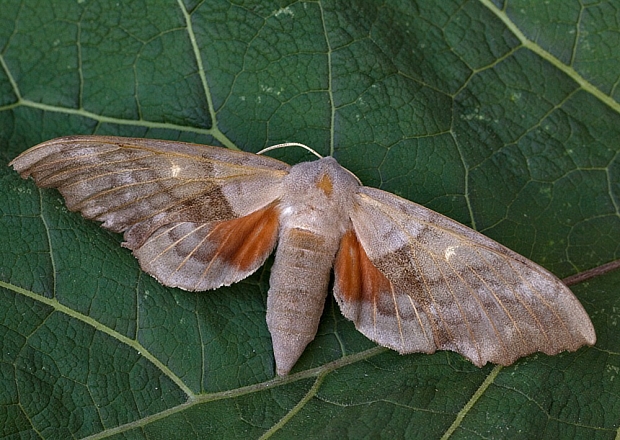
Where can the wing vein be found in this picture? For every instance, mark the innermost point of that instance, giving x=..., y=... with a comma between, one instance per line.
x=484, y=309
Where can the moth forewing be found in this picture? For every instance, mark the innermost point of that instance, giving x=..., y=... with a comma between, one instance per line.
x=200, y=217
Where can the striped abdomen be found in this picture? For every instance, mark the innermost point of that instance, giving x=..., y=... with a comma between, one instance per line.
x=298, y=287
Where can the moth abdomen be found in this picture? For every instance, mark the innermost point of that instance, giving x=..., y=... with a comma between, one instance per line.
x=298, y=288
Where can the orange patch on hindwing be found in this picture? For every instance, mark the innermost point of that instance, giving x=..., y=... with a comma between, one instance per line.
x=245, y=240
x=358, y=279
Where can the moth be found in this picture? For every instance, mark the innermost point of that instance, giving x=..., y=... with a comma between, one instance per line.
x=200, y=217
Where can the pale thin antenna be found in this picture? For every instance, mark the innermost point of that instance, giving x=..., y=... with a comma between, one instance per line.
x=295, y=144
x=290, y=144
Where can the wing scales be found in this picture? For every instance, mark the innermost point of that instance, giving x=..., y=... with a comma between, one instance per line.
x=196, y=217
x=451, y=288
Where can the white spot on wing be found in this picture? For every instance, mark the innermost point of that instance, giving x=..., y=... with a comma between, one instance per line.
x=449, y=252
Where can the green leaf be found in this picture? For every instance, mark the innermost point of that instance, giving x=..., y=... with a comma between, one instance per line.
x=502, y=115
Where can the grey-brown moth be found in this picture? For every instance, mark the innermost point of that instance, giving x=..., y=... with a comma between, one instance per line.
x=200, y=217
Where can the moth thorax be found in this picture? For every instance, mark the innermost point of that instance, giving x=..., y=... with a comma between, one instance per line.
x=318, y=196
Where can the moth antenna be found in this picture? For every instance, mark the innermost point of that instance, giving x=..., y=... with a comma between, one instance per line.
x=353, y=174
x=290, y=144
x=295, y=144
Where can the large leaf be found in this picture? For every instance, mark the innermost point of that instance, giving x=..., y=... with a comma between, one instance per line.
x=502, y=115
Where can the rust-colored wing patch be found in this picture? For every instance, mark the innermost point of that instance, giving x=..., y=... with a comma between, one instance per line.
x=243, y=241
x=357, y=279
x=374, y=303
x=203, y=256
